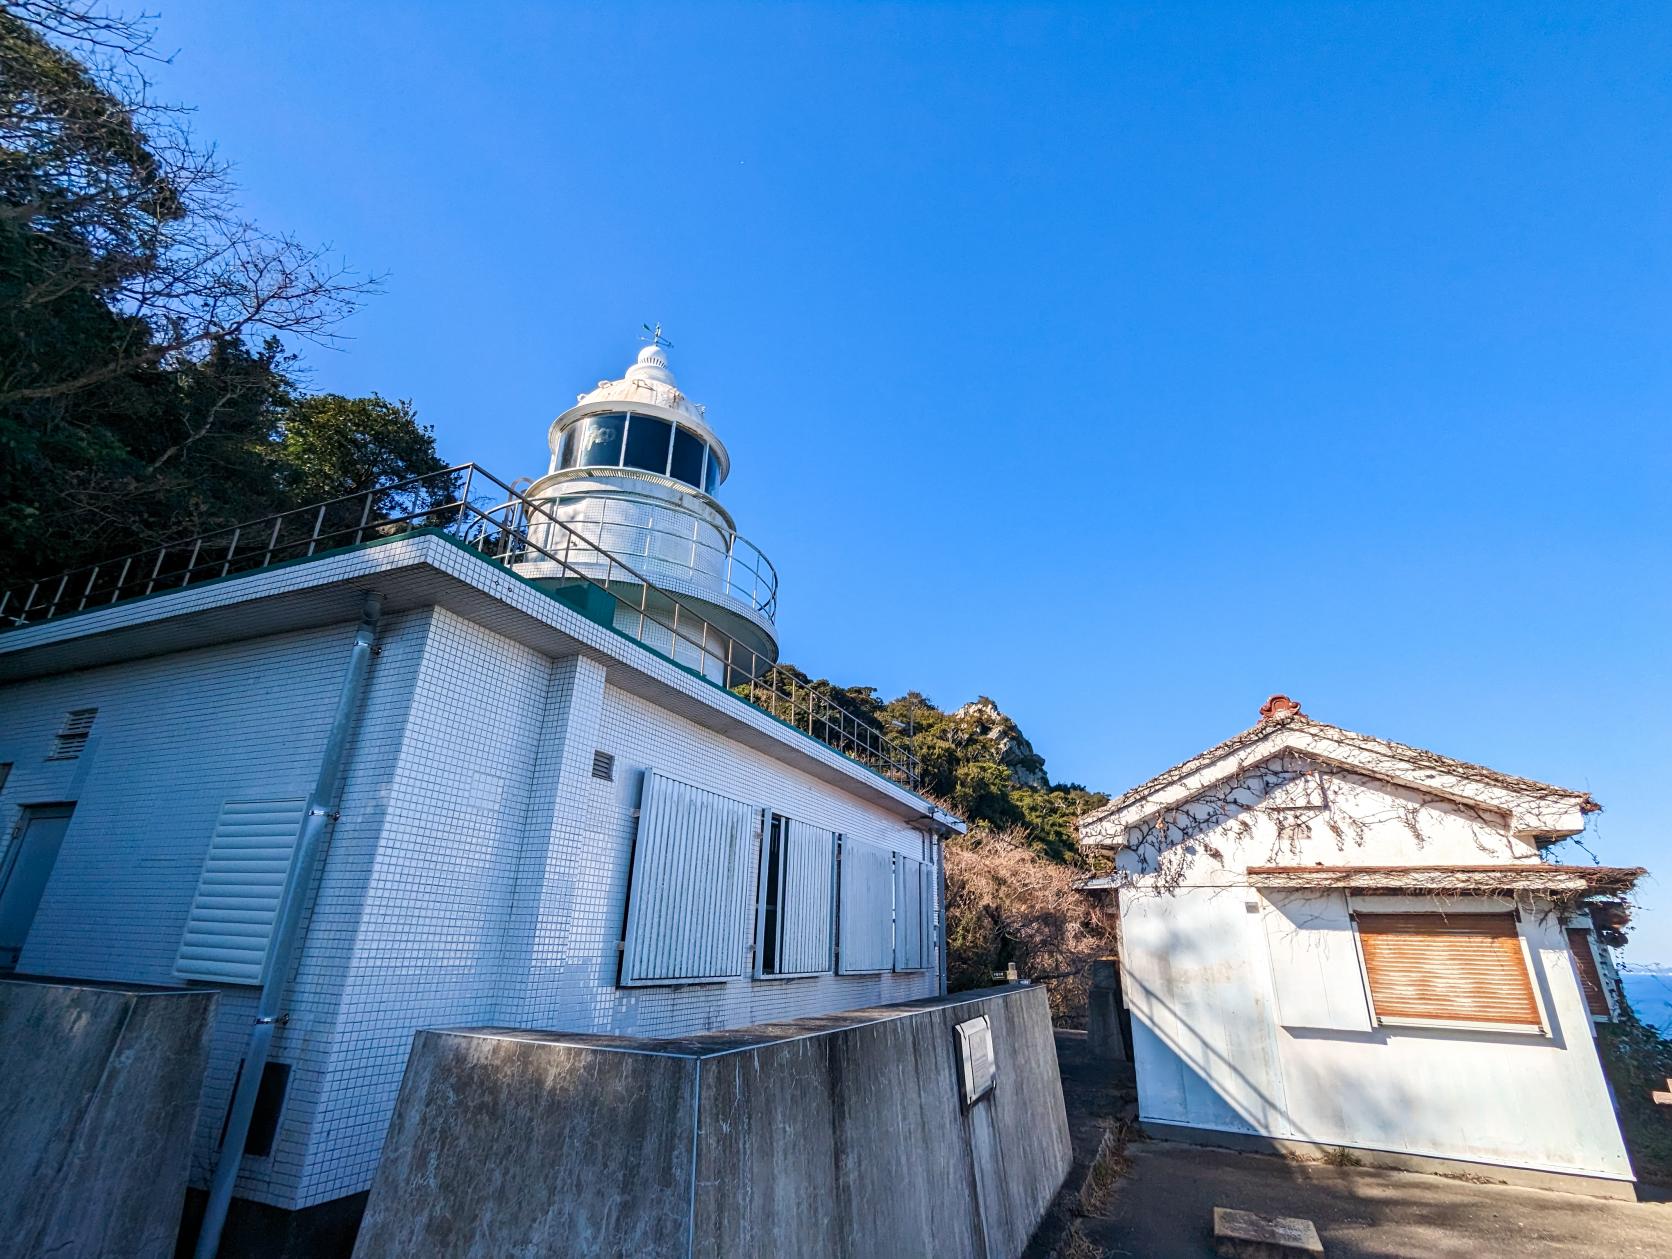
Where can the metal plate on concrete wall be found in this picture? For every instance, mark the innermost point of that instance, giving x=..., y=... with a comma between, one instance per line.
x=975, y=1058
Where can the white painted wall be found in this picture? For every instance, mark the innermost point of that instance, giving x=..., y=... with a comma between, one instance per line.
x=477, y=872
x=1249, y=1008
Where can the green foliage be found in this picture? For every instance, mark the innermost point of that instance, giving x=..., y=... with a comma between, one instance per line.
x=330, y=446
x=1638, y=1062
x=975, y=759
x=138, y=404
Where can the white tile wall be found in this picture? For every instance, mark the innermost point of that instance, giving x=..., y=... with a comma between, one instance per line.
x=477, y=872
x=175, y=737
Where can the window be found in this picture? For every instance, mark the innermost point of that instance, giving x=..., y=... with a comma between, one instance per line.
x=566, y=447
x=647, y=443
x=711, y=475
x=797, y=895
x=687, y=458
x=687, y=904
x=1463, y=968
x=599, y=445
x=70, y=741
x=1590, y=977
x=865, y=931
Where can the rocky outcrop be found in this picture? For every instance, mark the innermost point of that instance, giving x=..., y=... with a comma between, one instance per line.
x=982, y=719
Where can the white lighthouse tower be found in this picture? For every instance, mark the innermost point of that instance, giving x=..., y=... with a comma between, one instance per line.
x=634, y=471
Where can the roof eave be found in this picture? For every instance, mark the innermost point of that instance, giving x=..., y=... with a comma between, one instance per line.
x=1532, y=813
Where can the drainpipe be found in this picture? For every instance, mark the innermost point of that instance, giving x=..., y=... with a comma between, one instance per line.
x=287, y=930
x=940, y=875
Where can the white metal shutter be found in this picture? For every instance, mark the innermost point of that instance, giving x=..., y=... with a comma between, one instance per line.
x=687, y=908
x=807, y=876
x=1314, y=961
x=865, y=935
x=231, y=920
x=914, y=907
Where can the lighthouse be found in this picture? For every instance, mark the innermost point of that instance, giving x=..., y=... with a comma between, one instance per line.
x=629, y=500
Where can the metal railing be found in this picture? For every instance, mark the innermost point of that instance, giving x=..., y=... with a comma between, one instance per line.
x=640, y=529
x=486, y=514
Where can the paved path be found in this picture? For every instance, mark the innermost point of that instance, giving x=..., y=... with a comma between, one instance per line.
x=1162, y=1207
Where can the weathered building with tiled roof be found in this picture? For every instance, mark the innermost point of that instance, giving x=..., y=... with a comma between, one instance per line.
x=1330, y=940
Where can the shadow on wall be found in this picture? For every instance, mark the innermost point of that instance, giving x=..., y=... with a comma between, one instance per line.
x=833, y=1137
x=1217, y=1063
x=1210, y=1053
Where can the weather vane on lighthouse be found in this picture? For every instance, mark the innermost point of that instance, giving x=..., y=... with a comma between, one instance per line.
x=656, y=338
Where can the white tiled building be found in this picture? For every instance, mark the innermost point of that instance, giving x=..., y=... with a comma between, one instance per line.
x=1332, y=941
x=543, y=822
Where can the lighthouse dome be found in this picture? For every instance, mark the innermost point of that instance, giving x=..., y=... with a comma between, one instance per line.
x=634, y=473
x=649, y=382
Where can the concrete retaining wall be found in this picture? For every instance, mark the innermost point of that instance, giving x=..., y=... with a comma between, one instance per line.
x=836, y=1137
x=99, y=1088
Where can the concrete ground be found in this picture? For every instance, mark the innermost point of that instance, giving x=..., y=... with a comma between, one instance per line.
x=1162, y=1205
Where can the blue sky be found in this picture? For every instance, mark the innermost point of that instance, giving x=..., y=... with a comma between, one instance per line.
x=1126, y=364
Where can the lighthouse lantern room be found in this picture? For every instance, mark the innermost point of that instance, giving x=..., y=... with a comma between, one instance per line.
x=634, y=471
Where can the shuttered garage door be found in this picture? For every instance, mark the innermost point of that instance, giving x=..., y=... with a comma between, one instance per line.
x=230, y=924
x=1455, y=968
x=686, y=908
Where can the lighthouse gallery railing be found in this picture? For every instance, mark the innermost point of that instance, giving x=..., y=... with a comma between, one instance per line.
x=477, y=508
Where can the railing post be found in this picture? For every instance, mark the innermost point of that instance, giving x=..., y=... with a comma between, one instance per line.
x=87, y=590
x=318, y=524
x=121, y=580
x=365, y=515
x=156, y=568
x=231, y=551
x=469, y=481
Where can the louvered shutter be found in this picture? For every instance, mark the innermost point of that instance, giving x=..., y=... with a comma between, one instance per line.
x=230, y=925
x=807, y=882
x=913, y=909
x=865, y=935
x=1590, y=978
x=686, y=905
x=1455, y=968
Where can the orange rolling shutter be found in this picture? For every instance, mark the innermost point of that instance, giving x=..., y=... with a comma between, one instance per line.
x=1456, y=968
x=1590, y=979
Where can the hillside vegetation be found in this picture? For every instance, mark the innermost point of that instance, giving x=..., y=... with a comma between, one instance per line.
x=976, y=762
x=1010, y=895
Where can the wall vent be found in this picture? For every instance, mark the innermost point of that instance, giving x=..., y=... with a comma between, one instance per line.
x=230, y=923
x=69, y=742
x=603, y=766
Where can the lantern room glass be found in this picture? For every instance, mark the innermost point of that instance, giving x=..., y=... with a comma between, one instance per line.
x=626, y=439
x=600, y=442
x=647, y=444
x=687, y=458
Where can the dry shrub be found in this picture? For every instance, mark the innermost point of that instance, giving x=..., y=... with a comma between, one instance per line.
x=1005, y=903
